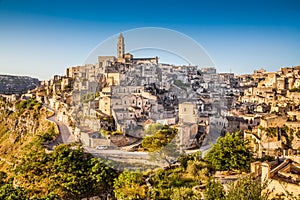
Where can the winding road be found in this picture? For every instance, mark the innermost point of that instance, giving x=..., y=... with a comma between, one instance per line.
x=65, y=135
x=118, y=155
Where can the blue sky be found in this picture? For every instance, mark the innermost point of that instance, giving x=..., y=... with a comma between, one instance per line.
x=41, y=38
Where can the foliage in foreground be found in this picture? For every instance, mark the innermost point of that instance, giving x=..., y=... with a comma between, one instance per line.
x=179, y=183
x=67, y=172
x=173, y=182
x=230, y=153
x=244, y=189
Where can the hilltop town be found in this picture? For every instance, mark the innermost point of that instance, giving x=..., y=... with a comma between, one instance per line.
x=112, y=102
x=125, y=94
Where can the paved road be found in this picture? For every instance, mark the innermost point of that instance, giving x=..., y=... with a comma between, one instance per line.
x=130, y=160
x=65, y=135
x=117, y=152
x=110, y=154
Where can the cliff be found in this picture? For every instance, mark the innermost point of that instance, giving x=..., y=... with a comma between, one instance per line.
x=17, y=84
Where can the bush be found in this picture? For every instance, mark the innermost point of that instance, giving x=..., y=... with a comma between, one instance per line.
x=230, y=153
x=160, y=139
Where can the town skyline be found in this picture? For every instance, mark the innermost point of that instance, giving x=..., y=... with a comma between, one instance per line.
x=47, y=38
x=128, y=110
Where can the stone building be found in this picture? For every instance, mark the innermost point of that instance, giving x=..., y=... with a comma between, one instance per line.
x=121, y=48
x=188, y=113
x=188, y=123
x=281, y=178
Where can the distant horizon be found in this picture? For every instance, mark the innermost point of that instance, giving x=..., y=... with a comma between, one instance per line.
x=42, y=38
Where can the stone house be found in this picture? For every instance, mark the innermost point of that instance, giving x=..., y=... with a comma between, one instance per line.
x=272, y=120
x=93, y=138
x=281, y=178
x=188, y=113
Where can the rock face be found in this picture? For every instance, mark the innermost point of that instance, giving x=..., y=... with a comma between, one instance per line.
x=17, y=84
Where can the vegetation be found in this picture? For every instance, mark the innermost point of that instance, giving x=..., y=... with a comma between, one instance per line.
x=28, y=104
x=21, y=123
x=67, y=172
x=272, y=131
x=245, y=188
x=7, y=191
x=179, y=83
x=295, y=89
x=173, y=182
x=214, y=191
x=130, y=185
x=186, y=181
x=230, y=153
x=27, y=171
x=88, y=97
x=160, y=139
x=153, y=128
x=284, y=131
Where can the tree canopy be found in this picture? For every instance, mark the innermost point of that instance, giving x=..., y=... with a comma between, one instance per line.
x=230, y=153
x=68, y=173
x=130, y=185
x=245, y=188
x=160, y=139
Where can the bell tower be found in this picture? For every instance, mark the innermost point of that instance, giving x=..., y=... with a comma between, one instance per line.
x=121, y=46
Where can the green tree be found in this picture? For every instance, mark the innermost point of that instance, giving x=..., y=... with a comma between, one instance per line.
x=130, y=185
x=7, y=191
x=243, y=189
x=68, y=172
x=160, y=139
x=214, y=191
x=246, y=188
x=183, y=193
x=3, y=176
x=230, y=153
x=153, y=128
x=184, y=158
x=102, y=176
x=199, y=170
x=167, y=154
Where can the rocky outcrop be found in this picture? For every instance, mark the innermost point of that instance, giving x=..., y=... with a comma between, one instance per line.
x=17, y=84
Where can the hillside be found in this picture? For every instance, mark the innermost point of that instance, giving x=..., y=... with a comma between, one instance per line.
x=29, y=171
x=17, y=84
x=21, y=123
